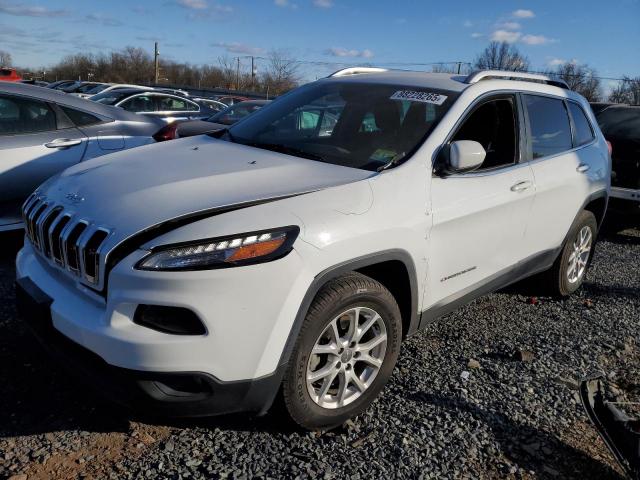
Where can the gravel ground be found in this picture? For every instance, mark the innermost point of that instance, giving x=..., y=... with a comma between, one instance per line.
x=488, y=392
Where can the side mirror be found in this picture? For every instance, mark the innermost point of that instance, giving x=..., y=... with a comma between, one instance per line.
x=465, y=155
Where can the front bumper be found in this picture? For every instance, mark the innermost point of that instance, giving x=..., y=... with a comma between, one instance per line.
x=176, y=394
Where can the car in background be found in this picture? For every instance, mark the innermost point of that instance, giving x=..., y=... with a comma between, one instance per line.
x=9, y=75
x=220, y=120
x=44, y=131
x=81, y=87
x=37, y=83
x=231, y=99
x=166, y=106
x=107, y=87
x=212, y=104
x=620, y=125
x=62, y=84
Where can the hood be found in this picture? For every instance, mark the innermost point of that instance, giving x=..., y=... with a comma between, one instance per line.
x=142, y=187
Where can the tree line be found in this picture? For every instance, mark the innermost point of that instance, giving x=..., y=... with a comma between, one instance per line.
x=136, y=65
x=280, y=72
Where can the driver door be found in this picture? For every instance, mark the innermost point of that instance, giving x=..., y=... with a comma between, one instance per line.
x=480, y=217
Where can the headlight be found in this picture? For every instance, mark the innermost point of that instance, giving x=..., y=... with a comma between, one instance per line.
x=231, y=251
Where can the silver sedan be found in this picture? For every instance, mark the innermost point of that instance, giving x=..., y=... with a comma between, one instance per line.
x=44, y=131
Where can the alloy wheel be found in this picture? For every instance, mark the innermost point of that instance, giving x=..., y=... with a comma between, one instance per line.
x=346, y=357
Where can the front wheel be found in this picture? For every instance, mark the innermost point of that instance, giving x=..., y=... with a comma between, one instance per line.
x=345, y=353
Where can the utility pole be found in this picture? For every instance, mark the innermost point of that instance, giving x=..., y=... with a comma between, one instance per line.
x=253, y=73
x=238, y=74
x=459, y=66
x=156, y=65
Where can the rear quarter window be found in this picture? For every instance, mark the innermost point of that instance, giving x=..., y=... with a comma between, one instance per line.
x=549, y=126
x=583, y=133
x=80, y=119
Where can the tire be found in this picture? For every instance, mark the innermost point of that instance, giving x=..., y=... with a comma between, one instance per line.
x=561, y=280
x=332, y=314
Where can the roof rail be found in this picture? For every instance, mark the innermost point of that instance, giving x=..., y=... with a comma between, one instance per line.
x=475, y=77
x=357, y=70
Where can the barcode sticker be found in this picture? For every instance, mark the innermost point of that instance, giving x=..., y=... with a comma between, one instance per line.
x=425, y=97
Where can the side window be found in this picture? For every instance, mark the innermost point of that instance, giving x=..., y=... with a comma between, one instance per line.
x=137, y=104
x=80, y=119
x=493, y=124
x=22, y=115
x=549, y=123
x=583, y=133
x=172, y=104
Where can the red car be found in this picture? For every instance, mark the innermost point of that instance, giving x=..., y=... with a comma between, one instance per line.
x=9, y=75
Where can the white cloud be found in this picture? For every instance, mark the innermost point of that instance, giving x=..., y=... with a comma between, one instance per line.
x=323, y=3
x=467, y=24
x=22, y=10
x=509, y=26
x=521, y=13
x=536, y=39
x=193, y=4
x=235, y=47
x=505, y=36
x=554, y=62
x=344, y=52
x=285, y=4
x=477, y=35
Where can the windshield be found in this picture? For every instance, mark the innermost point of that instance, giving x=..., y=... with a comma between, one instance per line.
x=357, y=125
x=111, y=97
x=236, y=112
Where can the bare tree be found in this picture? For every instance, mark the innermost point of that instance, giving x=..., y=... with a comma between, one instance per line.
x=627, y=91
x=501, y=56
x=282, y=72
x=580, y=78
x=5, y=59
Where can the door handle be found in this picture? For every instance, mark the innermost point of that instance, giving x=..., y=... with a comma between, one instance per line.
x=583, y=167
x=521, y=186
x=63, y=143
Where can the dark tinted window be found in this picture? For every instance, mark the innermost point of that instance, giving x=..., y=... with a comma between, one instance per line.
x=583, y=132
x=80, y=118
x=173, y=104
x=493, y=125
x=21, y=115
x=549, y=122
x=139, y=103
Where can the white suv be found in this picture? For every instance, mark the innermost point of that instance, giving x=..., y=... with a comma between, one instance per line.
x=294, y=251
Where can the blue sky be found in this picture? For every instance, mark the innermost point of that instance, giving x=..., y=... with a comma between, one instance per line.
x=604, y=35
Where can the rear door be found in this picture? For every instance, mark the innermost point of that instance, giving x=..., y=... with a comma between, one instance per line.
x=480, y=218
x=35, y=143
x=561, y=168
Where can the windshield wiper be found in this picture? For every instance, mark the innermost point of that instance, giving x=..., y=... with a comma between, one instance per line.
x=281, y=148
x=391, y=163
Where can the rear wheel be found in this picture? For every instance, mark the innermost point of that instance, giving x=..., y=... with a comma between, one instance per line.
x=569, y=270
x=345, y=353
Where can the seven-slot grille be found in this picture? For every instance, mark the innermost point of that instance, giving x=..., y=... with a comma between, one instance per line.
x=67, y=241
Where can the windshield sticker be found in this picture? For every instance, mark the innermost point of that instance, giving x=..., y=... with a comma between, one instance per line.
x=424, y=97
